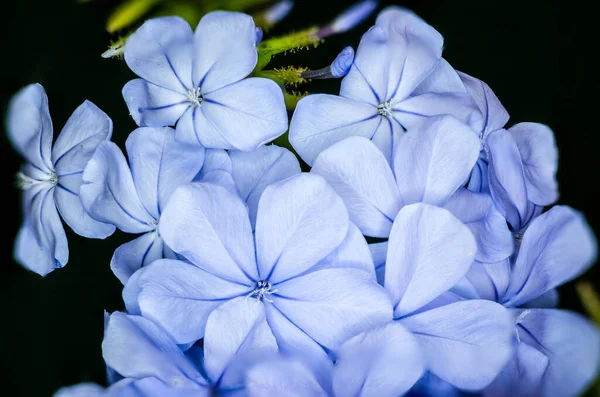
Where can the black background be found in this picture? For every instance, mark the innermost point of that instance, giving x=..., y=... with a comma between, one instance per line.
x=537, y=56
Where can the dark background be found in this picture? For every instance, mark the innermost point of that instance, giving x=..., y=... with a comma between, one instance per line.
x=537, y=56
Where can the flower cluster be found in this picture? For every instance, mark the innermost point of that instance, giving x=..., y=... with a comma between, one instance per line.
x=249, y=277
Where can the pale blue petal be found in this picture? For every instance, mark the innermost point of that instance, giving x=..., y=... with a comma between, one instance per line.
x=87, y=127
x=180, y=296
x=132, y=256
x=137, y=348
x=490, y=280
x=432, y=163
x=379, y=255
x=548, y=300
x=331, y=305
x=241, y=116
x=66, y=196
x=159, y=165
x=477, y=211
x=442, y=79
x=493, y=114
x=540, y=161
x=429, y=250
x=283, y=377
x=81, y=390
x=387, y=135
x=557, y=246
x=152, y=105
x=299, y=222
x=29, y=127
x=224, y=49
x=217, y=170
x=237, y=336
x=572, y=344
x=209, y=226
x=360, y=174
x=321, y=120
x=386, y=361
x=152, y=387
x=108, y=192
x=415, y=110
x=131, y=292
x=479, y=180
x=41, y=243
x=353, y=252
x=160, y=52
x=465, y=343
x=507, y=182
x=254, y=171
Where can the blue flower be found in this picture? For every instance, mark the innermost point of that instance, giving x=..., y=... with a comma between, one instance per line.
x=387, y=91
x=464, y=343
x=557, y=351
x=306, y=269
x=430, y=167
x=133, y=197
x=52, y=176
x=382, y=362
x=197, y=81
x=517, y=166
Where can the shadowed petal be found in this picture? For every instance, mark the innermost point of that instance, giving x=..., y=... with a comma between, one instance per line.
x=300, y=221
x=109, y=194
x=429, y=250
x=152, y=105
x=209, y=226
x=493, y=114
x=29, y=127
x=322, y=120
x=490, y=280
x=362, y=177
x=386, y=361
x=465, y=343
x=431, y=164
x=557, y=246
x=134, y=255
x=442, y=79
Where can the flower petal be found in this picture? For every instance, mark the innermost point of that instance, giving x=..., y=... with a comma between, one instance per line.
x=360, y=174
x=465, y=343
x=159, y=165
x=254, y=171
x=225, y=49
x=108, y=192
x=87, y=127
x=41, y=243
x=134, y=255
x=179, y=297
x=237, y=336
x=490, y=280
x=160, y=52
x=493, y=114
x=429, y=250
x=209, y=226
x=68, y=202
x=241, y=116
x=29, y=127
x=137, y=348
x=379, y=255
x=300, y=221
x=331, y=305
x=432, y=163
x=478, y=213
x=507, y=182
x=540, y=161
x=283, y=377
x=557, y=246
x=321, y=120
x=442, y=79
x=152, y=105
x=386, y=361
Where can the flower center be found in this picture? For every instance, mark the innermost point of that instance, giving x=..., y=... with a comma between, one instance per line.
x=385, y=109
x=24, y=181
x=261, y=291
x=195, y=96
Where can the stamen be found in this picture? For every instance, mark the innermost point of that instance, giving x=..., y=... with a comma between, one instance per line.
x=385, y=109
x=195, y=96
x=24, y=181
x=520, y=320
x=260, y=292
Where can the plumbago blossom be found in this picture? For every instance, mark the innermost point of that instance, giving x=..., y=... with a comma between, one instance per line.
x=197, y=81
x=251, y=278
x=51, y=178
